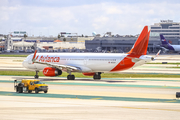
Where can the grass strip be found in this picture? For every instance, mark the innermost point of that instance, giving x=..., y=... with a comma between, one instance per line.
x=104, y=75
x=167, y=63
x=173, y=67
x=9, y=55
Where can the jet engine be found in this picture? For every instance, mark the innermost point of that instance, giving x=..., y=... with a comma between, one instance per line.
x=48, y=71
x=89, y=74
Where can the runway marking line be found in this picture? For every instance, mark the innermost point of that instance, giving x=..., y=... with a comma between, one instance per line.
x=171, y=101
x=151, y=109
x=96, y=98
x=69, y=96
x=127, y=79
x=106, y=84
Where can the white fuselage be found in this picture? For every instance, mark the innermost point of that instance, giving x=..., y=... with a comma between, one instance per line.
x=176, y=48
x=86, y=62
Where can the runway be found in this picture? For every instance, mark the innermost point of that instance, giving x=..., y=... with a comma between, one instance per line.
x=128, y=98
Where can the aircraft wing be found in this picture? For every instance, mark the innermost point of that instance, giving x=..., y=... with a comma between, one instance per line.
x=61, y=67
x=64, y=67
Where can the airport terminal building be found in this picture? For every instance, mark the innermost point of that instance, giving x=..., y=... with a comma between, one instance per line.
x=119, y=44
x=108, y=43
x=170, y=29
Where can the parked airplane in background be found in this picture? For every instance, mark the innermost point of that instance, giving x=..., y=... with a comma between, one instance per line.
x=168, y=46
x=90, y=64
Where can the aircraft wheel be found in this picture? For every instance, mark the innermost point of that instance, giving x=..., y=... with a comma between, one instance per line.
x=97, y=77
x=71, y=77
x=68, y=77
x=36, y=76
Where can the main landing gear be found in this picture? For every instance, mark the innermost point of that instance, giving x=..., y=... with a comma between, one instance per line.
x=97, y=76
x=70, y=77
x=36, y=76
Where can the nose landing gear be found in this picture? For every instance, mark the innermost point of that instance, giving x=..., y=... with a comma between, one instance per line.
x=36, y=76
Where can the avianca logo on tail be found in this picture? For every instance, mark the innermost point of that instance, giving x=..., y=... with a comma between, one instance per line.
x=48, y=59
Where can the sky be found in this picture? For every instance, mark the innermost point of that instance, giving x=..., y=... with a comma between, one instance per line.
x=50, y=17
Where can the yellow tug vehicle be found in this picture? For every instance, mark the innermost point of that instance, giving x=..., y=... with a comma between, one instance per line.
x=29, y=86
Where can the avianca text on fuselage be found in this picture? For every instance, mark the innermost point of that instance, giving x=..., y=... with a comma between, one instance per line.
x=90, y=64
x=47, y=59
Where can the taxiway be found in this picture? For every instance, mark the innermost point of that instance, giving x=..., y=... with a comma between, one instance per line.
x=129, y=98
x=84, y=98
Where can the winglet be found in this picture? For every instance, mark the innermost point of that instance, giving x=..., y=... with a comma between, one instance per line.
x=156, y=55
x=33, y=59
x=141, y=44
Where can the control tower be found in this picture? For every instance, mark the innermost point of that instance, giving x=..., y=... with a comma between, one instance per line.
x=8, y=43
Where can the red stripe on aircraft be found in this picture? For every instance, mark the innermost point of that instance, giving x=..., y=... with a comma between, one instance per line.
x=139, y=48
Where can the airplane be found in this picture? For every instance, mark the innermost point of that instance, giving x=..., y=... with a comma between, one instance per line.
x=167, y=45
x=90, y=64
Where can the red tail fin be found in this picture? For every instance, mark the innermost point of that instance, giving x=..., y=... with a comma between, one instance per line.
x=141, y=44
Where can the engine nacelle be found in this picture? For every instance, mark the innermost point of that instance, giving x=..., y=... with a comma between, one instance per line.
x=89, y=74
x=48, y=71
